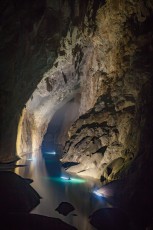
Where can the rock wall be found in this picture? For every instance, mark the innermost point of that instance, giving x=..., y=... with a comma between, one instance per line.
x=32, y=36
x=108, y=136
x=25, y=54
x=64, y=80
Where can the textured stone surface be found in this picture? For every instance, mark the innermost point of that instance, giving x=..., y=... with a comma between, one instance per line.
x=108, y=136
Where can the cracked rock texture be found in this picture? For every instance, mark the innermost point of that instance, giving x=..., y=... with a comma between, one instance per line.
x=116, y=92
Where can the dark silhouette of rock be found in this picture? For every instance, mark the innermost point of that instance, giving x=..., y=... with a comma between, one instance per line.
x=74, y=214
x=109, y=219
x=65, y=208
x=16, y=195
x=28, y=180
x=9, y=166
x=24, y=221
x=66, y=165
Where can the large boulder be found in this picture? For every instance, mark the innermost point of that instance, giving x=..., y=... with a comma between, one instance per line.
x=24, y=221
x=16, y=195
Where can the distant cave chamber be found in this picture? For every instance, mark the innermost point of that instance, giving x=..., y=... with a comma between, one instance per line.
x=57, y=131
x=49, y=135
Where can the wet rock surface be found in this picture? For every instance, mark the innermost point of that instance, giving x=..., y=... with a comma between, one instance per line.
x=132, y=195
x=65, y=208
x=110, y=219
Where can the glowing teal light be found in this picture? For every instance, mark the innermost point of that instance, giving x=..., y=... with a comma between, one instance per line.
x=63, y=180
x=72, y=180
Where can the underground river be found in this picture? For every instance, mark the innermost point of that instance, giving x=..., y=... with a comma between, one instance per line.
x=45, y=170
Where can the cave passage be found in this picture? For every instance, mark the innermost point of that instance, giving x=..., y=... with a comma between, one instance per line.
x=56, y=134
x=46, y=172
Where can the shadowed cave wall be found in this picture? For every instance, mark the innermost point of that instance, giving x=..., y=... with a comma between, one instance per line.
x=99, y=50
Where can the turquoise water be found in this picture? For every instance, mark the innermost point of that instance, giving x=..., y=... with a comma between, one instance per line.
x=46, y=172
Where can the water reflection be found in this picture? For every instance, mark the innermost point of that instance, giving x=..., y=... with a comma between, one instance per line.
x=46, y=171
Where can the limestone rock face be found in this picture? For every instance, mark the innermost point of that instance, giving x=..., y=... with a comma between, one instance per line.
x=34, y=48
x=64, y=81
x=107, y=137
x=103, y=141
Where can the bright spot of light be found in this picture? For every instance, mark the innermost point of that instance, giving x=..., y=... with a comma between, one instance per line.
x=72, y=179
x=65, y=178
x=98, y=194
x=51, y=153
x=31, y=159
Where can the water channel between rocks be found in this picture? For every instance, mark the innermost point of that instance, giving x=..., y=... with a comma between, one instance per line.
x=46, y=172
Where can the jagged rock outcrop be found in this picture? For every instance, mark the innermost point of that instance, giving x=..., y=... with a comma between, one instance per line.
x=108, y=136
x=101, y=139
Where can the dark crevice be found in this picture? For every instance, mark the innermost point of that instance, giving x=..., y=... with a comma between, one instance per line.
x=101, y=150
x=87, y=139
x=109, y=171
x=66, y=165
x=64, y=77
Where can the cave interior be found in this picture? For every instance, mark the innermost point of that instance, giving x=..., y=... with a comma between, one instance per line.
x=76, y=79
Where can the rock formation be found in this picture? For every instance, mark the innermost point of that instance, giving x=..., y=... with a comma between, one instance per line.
x=116, y=95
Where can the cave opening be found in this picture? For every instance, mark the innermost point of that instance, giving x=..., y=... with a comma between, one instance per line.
x=57, y=131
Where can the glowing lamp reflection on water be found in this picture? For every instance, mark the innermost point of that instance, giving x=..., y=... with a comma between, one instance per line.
x=98, y=194
x=65, y=178
x=50, y=153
